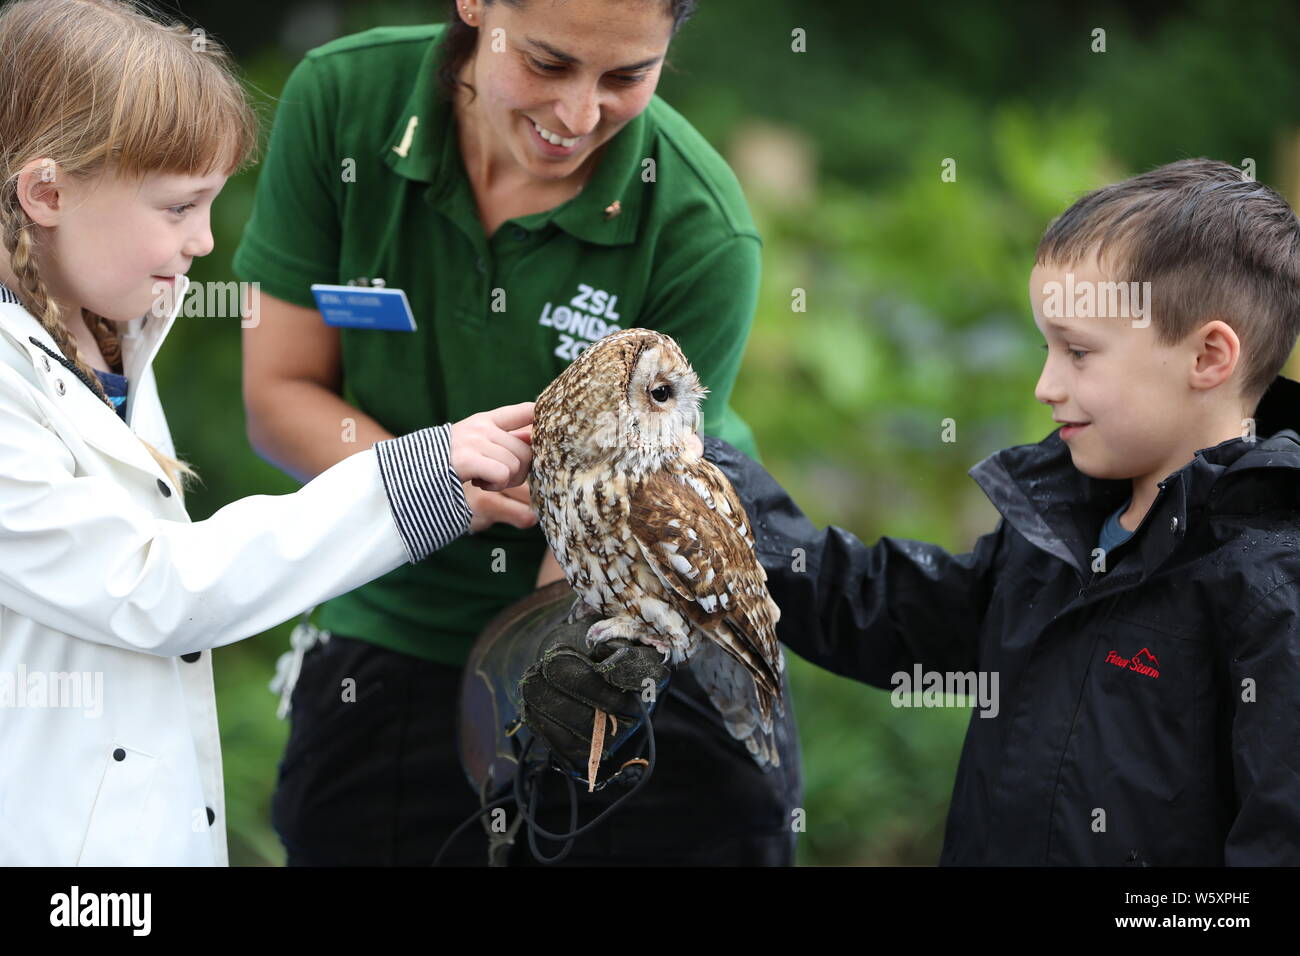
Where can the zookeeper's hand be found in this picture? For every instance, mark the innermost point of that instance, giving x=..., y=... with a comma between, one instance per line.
x=550, y=569
x=510, y=506
x=491, y=450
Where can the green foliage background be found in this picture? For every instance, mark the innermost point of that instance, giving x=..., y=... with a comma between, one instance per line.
x=915, y=288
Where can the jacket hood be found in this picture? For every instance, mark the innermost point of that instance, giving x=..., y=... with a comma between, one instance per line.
x=1040, y=492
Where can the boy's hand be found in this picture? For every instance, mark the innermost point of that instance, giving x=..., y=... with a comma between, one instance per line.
x=490, y=450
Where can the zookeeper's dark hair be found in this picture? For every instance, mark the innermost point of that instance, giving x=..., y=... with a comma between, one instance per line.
x=459, y=39
x=1212, y=243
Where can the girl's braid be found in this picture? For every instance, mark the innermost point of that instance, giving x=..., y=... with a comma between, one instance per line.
x=17, y=235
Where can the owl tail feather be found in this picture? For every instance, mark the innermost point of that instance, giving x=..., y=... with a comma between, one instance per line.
x=759, y=742
x=746, y=712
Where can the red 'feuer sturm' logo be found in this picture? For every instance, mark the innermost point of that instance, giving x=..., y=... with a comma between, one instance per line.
x=1144, y=662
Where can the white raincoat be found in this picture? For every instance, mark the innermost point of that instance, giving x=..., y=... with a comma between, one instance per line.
x=110, y=599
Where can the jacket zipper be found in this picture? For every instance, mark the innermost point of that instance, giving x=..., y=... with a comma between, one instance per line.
x=1085, y=592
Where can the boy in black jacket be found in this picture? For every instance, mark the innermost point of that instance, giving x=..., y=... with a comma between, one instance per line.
x=1139, y=601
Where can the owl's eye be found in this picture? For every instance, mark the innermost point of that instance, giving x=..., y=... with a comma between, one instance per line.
x=662, y=393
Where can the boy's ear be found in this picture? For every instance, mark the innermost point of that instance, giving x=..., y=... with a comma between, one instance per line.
x=1219, y=354
x=40, y=193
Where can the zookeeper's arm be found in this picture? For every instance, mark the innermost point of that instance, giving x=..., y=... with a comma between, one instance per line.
x=297, y=418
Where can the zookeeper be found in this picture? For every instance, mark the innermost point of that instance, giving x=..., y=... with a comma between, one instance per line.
x=514, y=173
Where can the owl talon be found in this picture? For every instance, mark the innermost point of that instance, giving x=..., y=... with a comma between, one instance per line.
x=612, y=627
x=664, y=647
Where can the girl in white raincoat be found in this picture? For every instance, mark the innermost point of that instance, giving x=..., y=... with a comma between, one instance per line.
x=116, y=135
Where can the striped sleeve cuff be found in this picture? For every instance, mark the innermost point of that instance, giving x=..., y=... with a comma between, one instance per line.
x=424, y=491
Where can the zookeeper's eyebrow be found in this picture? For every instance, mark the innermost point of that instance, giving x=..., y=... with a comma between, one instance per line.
x=568, y=58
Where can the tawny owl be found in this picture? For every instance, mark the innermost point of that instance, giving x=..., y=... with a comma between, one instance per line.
x=654, y=540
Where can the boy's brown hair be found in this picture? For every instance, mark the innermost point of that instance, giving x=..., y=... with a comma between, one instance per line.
x=1212, y=243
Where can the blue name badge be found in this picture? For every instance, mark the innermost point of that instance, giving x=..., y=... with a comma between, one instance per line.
x=357, y=307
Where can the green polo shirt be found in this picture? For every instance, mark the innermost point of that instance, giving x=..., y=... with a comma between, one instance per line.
x=364, y=179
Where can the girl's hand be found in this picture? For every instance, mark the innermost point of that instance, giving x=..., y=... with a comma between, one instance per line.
x=510, y=506
x=490, y=450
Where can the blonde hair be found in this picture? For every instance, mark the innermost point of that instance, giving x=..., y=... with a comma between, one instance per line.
x=100, y=86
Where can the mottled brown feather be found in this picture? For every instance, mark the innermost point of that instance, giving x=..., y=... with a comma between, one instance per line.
x=711, y=532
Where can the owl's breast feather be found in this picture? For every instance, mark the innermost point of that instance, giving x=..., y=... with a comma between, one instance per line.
x=584, y=517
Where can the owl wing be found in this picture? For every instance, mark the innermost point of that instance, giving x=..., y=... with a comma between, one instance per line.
x=695, y=536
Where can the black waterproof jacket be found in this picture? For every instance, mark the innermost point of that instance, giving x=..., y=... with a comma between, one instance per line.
x=1149, y=713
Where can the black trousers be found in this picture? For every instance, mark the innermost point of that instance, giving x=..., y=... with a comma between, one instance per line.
x=371, y=776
